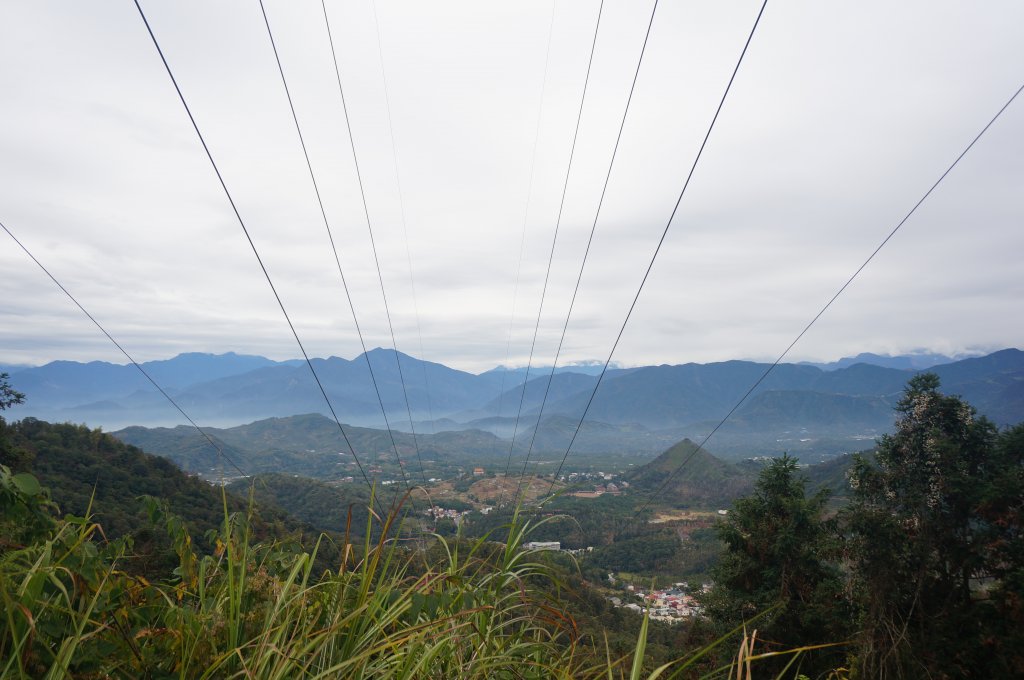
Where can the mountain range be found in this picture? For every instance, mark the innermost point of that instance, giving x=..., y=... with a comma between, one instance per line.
x=797, y=407
x=919, y=361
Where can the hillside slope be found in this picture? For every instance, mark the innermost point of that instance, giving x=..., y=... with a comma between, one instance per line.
x=703, y=481
x=324, y=507
x=88, y=471
x=308, y=445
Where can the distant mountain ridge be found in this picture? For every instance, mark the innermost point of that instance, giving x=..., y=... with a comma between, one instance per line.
x=797, y=403
x=908, y=362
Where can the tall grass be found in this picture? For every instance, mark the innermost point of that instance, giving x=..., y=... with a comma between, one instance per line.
x=471, y=609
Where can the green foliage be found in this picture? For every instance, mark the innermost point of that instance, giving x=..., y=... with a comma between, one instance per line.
x=90, y=472
x=1002, y=509
x=241, y=602
x=641, y=554
x=463, y=483
x=323, y=506
x=8, y=395
x=834, y=475
x=778, y=552
x=26, y=511
x=259, y=610
x=575, y=522
x=936, y=547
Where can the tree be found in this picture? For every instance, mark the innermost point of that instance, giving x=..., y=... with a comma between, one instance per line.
x=1002, y=509
x=17, y=459
x=8, y=395
x=778, y=554
x=935, y=533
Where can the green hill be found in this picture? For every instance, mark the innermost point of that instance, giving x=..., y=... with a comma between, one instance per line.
x=88, y=471
x=188, y=449
x=82, y=467
x=308, y=445
x=321, y=505
x=702, y=481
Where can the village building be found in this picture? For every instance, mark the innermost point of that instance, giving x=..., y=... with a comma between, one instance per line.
x=542, y=545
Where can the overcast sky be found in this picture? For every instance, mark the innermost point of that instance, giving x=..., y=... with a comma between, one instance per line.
x=841, y=117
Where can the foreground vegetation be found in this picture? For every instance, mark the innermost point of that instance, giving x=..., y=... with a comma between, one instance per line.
x=261, y=610
x=255, y=595
x=920, y=574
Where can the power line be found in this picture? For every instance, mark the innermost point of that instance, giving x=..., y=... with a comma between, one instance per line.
x=401, y=207
x=828, y=304
x=252, y=245
x=590, y=239
x=661, y=240
x=554, y=239
x=373, y=245
x=522, y=247
x=209, y=439
x=337, y=259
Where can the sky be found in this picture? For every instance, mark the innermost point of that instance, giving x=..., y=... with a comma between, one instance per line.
x=462, y=113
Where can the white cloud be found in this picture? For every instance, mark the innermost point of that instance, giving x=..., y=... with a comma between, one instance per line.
x=839, y=120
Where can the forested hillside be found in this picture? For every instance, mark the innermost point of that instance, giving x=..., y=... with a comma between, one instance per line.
x=90, y=473
x=308, y=445
x=688, y=477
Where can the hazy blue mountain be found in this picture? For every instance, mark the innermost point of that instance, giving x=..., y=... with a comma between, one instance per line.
x=228, y=389
x=1006, y=407
x=586, y=368
x=1002, y=363
x=555, y=432
x=273, y=391
x=863, y=380
x=193, y=367
x=994, y=384
x=502, y=426
x=563, y=385
x=663, y=396
x=69, y=383
x=433, y=390
x=61, y=384
x=224, y=390
x=915, y=362
x=666, y=396
x=791, y=409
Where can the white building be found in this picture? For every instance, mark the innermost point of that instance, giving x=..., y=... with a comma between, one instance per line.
x=543, y=545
